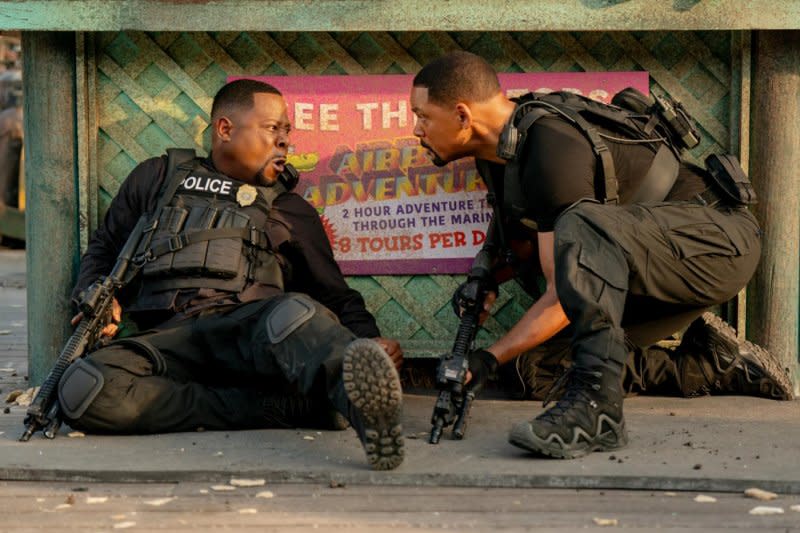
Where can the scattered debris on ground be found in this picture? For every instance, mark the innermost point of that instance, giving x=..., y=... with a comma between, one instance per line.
x=760, y=494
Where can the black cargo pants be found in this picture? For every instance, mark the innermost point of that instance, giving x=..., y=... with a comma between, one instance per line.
x=646, y=270
x=214, y=371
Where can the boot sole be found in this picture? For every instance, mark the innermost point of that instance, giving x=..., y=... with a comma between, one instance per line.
x=522, y=436
x=776, y=383
x=373, y=387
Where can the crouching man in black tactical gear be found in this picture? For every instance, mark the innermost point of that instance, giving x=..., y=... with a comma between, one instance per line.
x=633, y=243
x=707, y=358
x=244, y=318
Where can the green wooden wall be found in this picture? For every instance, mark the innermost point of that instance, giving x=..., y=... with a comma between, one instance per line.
x=149, y=91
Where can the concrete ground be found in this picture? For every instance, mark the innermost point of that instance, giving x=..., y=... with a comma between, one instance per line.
x=711, y=444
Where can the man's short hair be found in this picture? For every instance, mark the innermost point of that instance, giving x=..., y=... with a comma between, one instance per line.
x=238, y=94
x=458, y=76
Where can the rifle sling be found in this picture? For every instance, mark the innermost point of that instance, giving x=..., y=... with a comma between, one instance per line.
x=180, y=163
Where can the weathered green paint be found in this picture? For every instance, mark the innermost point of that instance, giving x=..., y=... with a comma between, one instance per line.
x=741, y=115
x=736, y=310
x=86, y=134
x=51, y=192
x=398, y=15
x=774, y=160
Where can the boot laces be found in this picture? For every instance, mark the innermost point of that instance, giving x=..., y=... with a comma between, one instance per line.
x=578, y=384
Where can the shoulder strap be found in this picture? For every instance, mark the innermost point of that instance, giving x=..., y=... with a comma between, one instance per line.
x=178, y=167
x=273, y=191
x=606, y=174
x=513, y=195
x=660, y=177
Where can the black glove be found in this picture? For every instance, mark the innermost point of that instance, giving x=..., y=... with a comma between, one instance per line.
x=483, y=366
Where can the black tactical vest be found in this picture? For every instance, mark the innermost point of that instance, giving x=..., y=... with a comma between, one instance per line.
x=215, y=233
x=660, y=123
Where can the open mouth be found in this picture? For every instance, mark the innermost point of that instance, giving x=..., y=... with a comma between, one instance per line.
x=433, y=156
x=279, y=163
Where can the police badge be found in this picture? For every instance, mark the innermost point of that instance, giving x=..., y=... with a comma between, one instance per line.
x=246, y=195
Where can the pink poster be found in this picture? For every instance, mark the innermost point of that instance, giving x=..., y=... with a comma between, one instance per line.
x=385, y=207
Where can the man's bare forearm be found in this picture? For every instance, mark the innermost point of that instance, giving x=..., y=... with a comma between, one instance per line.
x=539, y=323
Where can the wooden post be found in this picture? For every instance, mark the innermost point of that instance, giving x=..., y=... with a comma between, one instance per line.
x=774, y=163
x=51, y=191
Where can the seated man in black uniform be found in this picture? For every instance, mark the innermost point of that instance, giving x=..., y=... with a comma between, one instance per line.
x=245, y=320
x=618, y=274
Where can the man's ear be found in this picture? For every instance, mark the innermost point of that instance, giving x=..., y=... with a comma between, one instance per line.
x=223, y=127
x=464, y=114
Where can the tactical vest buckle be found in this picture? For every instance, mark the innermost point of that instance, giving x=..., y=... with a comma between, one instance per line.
x=176, y=242
x=600, y=147
x=140, y=260
x=258, y=238
x=151, y=226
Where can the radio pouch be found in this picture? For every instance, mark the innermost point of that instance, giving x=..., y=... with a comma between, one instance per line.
x=732, y=184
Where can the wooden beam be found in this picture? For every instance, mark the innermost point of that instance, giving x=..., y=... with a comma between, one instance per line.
x=398, y=15
x=51, y=193
x=774, y=160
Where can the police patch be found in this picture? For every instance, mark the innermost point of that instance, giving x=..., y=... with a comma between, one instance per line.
x=246, y=195
x=208, y=185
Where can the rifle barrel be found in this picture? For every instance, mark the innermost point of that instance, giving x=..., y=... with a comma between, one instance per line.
x=436, y=431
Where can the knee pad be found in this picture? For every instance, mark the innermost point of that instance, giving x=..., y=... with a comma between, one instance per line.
x=79, y=386
x=291, y=312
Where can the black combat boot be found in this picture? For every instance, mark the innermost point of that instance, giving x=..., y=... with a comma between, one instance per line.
x=296, y=410
x=373, y=388
x=587, y=418
x=710, y=359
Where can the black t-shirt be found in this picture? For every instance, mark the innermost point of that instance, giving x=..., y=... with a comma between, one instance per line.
x=314, y=270
x=558, y=169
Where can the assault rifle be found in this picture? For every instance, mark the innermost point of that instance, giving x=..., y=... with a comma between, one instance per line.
x=454, y=400
x=95, y=303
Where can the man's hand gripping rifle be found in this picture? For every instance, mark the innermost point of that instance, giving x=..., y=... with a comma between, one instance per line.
x=95, y=304
x=454, y=400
